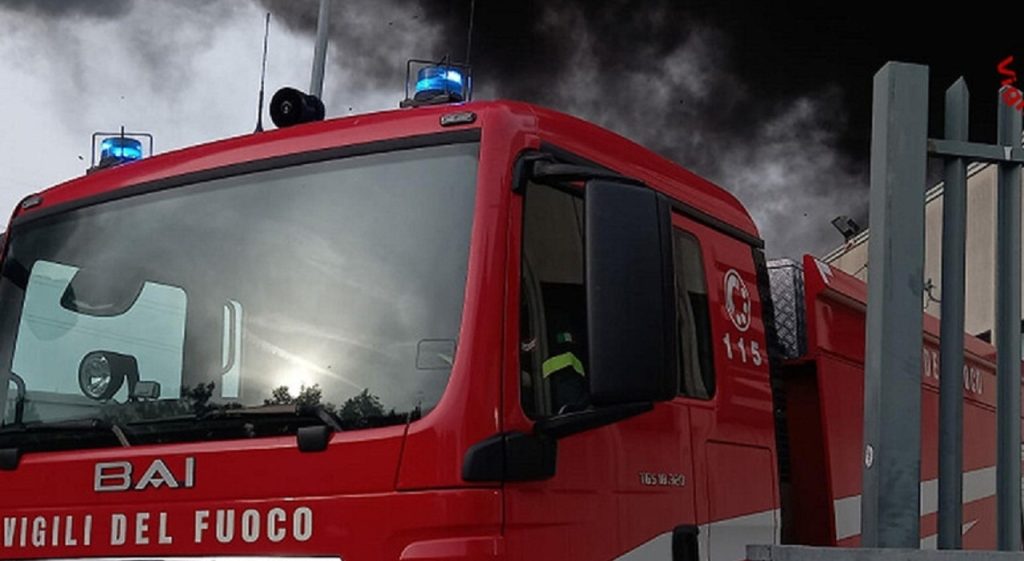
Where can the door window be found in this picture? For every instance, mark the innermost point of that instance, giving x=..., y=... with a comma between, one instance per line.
x=696, y=366
x=553, y=328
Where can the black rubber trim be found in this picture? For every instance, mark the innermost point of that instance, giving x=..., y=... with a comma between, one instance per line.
x=459, y=136
x=555, y=172
x=563, y=155
x=775, y=371
x=685, y=546
x=722, y=226
x=690, y=212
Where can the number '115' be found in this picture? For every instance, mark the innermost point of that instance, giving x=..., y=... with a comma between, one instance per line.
x=747, y=350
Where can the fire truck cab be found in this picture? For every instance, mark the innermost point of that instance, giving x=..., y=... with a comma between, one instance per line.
x=474, y=331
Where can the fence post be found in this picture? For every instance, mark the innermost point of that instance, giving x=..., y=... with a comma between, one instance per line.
x=1008, y=332
x=951, y=350
x=890, y=507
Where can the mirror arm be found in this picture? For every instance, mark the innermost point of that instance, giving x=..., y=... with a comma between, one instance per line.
x=19, y=398
x=561, y=426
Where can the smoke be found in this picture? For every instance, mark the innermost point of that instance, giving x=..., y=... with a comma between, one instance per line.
x=370, y=41
x=666, y=80
x=661, y=73
x=656, y=73
x=186, y=71
x=61, y=8
x=677, y=94
x=92, y=49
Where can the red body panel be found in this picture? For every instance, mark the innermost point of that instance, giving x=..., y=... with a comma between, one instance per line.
x=833, y=368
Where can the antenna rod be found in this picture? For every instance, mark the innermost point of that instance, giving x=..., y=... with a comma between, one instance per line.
x=316, y=83
x=263, y=76
x=469, y=34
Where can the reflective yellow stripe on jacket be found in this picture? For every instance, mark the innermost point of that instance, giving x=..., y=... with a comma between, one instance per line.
x=558, y=362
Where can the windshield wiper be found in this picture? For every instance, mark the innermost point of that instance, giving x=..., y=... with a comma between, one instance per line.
x=309, y=438
x=94, y=424
x=326, y=417
x=318, y=411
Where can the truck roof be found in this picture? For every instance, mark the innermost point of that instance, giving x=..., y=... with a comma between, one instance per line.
x=571, y=134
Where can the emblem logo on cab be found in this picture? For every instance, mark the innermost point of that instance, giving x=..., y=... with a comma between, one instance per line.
x=118, y=476
x=737, y=300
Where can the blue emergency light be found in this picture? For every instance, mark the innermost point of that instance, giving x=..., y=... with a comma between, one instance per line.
x=433, y=81
x=120, y=149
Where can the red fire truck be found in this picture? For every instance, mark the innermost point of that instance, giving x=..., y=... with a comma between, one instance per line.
x=463, y=331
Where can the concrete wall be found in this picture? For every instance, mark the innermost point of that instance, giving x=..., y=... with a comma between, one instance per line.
x=981, y=217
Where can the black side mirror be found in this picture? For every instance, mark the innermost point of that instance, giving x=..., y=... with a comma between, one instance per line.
x=630, y=294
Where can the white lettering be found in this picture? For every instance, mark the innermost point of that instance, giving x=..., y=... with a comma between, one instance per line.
x=118, y=529
x=930, y=368
x=55, y=531
x=225, y=525
x=69, y=532
x=113, y=476
x=142, y=528
x=162, y=536
x=202, y=524
x=10, y=526
x=250, y=525
x=302, y=525
x=157, y=475
x=190, y=473
x=39, y=531
x=274, y=519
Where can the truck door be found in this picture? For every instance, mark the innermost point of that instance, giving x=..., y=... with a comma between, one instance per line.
x=728, y=393
x=622, y=491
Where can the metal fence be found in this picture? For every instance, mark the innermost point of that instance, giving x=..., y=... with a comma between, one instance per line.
x=892, y=440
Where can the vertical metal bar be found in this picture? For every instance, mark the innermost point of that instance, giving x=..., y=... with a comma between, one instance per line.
x=316, y=82
x=263, y=76
x=1008, y=316
x=951, y=351
x=890, y=509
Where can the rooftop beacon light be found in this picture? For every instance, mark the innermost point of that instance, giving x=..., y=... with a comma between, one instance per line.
x=116, y=148
x=437, y=83
x=122, y=149
x=432, y=81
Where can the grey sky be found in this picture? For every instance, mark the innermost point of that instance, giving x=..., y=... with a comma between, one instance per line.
x=187, y=71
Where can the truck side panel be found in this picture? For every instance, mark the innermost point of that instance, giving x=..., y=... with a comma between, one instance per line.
x=833, y=366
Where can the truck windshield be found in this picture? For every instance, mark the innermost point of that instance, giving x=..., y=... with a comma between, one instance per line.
x=337, y=285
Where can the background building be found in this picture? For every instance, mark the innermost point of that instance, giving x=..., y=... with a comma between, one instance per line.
x=852, y=257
